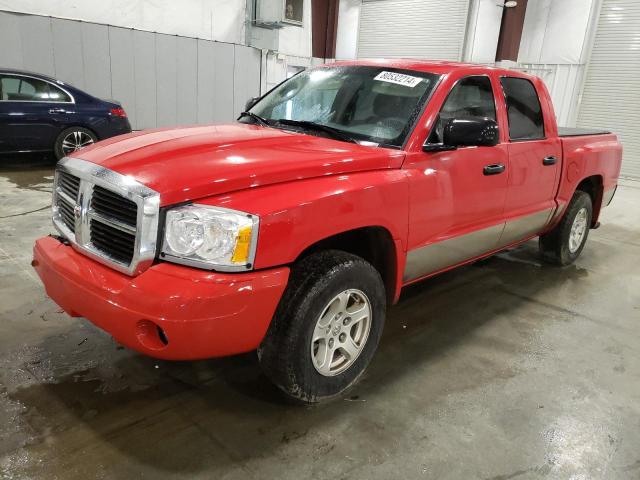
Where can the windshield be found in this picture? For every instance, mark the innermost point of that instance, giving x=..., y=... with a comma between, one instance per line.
x=369, y=104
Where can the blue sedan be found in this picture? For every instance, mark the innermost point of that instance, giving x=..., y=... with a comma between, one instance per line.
x=41, y=114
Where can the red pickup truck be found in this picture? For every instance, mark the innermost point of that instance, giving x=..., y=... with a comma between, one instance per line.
x=291, y=230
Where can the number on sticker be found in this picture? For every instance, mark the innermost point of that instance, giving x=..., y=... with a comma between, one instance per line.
x=398, y=78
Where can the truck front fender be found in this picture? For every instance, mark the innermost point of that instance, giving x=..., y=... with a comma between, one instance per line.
x=295, y=215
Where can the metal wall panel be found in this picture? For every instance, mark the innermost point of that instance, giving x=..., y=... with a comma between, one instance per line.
x=166, y=80
x=430, y=29
x=562, y=80
x=206, y=61
x=187, y=81
x=123, y=78
x=610, y=97
x=10, y=35
x=223, y=82
x=144, y=54
x=161, y=80
x=67, y=51
x=96, y=60
x=246, y=76
x=37, y=44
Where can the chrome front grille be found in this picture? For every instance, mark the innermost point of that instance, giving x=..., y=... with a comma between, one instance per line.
x=68, y=187
x=112, y=241
x=110, y=204
x=69, y=184
x=105, y=215
x=113, y=224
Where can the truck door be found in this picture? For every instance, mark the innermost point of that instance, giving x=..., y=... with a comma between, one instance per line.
x=457, y=197
x=534, y=161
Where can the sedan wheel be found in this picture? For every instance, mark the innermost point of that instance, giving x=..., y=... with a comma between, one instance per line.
x=75, y=141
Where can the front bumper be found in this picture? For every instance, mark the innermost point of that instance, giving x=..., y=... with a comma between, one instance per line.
x=169, y=311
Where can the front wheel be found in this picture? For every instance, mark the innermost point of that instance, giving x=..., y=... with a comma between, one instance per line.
x=327, y=326
x=73, y=139
x=563, y=245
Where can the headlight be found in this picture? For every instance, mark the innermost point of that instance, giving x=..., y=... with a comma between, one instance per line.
x=210, y=237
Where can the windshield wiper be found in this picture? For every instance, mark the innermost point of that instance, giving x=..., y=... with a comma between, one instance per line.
x=333, y=132
x=258, y=119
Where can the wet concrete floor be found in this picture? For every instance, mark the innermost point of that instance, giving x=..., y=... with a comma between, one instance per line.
x=506, y=369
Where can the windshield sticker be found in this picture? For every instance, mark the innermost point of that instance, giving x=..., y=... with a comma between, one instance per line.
x=398, y=78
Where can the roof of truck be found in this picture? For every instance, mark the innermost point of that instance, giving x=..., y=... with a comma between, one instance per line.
x=432, y=66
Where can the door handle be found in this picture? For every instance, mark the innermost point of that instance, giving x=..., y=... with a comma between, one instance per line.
x=493, y=169
x=546, y=161
x=57, y=110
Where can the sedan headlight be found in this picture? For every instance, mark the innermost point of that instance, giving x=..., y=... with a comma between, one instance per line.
x=210, y=237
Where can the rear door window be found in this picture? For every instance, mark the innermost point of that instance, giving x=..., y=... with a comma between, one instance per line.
x=523, y=108
x=27, y=89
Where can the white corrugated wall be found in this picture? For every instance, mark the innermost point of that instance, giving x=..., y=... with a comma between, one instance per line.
x=563, y=82
x=611, y=96
x=430, y=29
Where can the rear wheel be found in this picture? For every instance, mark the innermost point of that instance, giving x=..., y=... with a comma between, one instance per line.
x=73, y=139
x=327, y=326
x=563, y=244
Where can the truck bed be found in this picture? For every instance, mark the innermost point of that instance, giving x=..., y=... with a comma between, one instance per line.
x=588, y=154
x=578, y=132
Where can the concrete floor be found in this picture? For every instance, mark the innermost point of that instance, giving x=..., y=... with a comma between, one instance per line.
x=507, y=369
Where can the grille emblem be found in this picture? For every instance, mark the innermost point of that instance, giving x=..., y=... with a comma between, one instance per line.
x=77, y=211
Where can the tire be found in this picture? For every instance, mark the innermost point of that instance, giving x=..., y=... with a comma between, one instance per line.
x=318, y=287
x=73, y=139
x=557, y=246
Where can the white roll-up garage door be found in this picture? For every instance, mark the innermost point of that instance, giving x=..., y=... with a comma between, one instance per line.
x=430, y=29
x=611, y=96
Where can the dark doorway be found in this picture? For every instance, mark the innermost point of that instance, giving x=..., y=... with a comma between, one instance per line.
x=324, y=20
x=511, y=32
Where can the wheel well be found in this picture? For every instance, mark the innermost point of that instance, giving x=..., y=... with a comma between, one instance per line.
x=374, y=244
x=593, y=186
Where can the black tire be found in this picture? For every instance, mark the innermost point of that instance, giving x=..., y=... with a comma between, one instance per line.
x=58, y=147
x=285, y=353
x=554, y=246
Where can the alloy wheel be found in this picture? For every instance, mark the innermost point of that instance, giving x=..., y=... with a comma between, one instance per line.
x=75, y=141
x=578, y=230
x=341, y=332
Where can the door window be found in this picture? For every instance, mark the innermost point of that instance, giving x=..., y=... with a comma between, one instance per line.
x=30, y=90
x=470, y=97
x=523, y=108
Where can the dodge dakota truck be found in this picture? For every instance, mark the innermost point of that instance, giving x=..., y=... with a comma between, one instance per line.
x=291, y=230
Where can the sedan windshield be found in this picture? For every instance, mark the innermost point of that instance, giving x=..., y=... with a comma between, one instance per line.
x=363, y=104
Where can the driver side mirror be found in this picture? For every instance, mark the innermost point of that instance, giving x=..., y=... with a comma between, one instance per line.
x=466, y=132
x=250, y=103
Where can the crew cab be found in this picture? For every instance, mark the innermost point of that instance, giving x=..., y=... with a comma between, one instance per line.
x=290, y=231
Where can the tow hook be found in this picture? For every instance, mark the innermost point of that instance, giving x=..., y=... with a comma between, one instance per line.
x=61, y=239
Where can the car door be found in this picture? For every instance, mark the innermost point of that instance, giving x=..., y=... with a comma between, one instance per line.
x=7, y=140
x=33, y=113
x=534, y=161
x=457, y=197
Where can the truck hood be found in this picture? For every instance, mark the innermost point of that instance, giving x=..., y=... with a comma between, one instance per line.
x=189, y=163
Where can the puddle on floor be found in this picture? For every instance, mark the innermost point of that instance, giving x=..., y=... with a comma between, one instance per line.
x=25, y=186
x=29, y=172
